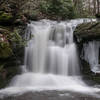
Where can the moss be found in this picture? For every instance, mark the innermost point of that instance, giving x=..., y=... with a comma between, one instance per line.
x=88, y=31
x=5, y=18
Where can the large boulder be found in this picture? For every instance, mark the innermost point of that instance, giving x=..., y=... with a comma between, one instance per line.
x=87, y=32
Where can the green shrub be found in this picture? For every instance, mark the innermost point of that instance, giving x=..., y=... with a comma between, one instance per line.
x=12, y=40
x=5, y=17
x=5, y=50
x=61, y=8
x=16, y=39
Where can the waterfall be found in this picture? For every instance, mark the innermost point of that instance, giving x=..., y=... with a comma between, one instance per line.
x=35, y=52
x=51, y=59
x=91, y=55
x=50, y=56
x=51, y=50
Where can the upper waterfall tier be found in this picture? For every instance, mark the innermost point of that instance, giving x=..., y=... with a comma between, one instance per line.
x=51, y=49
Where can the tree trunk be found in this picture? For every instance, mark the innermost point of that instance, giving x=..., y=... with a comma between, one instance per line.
x=98, y=6
x=94, y=9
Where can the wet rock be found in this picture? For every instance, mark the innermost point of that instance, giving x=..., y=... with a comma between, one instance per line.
x=87, y=32
x=51, y=95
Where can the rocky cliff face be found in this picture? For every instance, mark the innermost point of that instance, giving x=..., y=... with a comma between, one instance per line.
x=12, y=29
x=84, y=34
x=11, y=52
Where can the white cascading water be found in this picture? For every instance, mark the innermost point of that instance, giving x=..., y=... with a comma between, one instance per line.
x=51, y=61
x=51, y=49
x=91, y=55
x=50, y=56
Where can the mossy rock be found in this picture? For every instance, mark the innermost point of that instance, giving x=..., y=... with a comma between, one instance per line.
x=87, y=32
x=6, y=18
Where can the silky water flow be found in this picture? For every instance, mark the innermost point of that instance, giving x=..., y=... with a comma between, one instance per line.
x=51, y=59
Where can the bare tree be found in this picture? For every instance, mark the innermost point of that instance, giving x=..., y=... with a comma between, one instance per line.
x=94, y=9
x=98, y=6
x=78, y=4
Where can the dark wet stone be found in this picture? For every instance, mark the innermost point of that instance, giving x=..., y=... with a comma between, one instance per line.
x=52, y=95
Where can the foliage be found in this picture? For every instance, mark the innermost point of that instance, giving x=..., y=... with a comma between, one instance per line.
x=16, y=5
x=5, y=49
x=85, y=8
x=16, y=39
x=12, y=40
x=61, y=8
x=5, y=17
x=2, y=1
x=78, y=7
x=31, y=15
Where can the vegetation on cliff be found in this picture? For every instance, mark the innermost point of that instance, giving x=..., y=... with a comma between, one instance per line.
x=12, y=27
